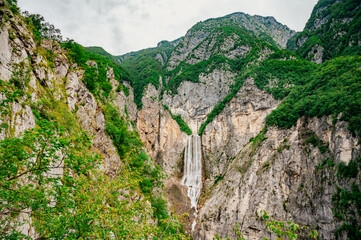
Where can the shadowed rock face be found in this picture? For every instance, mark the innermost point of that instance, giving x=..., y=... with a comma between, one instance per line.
x=2, y=4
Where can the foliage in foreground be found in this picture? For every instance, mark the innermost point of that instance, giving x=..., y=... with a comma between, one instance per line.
x=53, y=180
x=49, y=179
x=346, y=199
x=283, y=230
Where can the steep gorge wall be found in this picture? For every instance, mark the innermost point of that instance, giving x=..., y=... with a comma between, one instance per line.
x=290, y=173
x=242, y=119
x=279, y=175
x=283, y=172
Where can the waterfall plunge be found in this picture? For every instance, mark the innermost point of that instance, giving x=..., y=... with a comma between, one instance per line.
x=192, y=176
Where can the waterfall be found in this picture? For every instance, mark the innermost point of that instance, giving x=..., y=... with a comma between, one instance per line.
x=192, y=176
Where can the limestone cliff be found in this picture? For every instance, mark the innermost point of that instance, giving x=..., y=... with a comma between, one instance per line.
x=284, y=174
x=281, y=175
x=19, y=49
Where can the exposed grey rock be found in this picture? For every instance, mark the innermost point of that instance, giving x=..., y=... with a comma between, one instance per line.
x=301, y=41
x=316, y=54
x=198, y=33
x=91, y=119
x=188, y=43
x=162, y=58
x=241, y=119
x=92, y=64
x=319, y=22
x=127, y=102
x=279, y=176
x=195, y=100
x=5, y=55
x=207, y=48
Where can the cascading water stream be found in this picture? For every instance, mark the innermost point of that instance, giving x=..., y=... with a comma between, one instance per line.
x=192, y=176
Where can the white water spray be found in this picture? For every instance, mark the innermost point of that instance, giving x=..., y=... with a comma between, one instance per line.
x=192, y=176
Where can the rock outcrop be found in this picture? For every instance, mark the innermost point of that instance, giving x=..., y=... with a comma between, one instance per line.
x=194, y=101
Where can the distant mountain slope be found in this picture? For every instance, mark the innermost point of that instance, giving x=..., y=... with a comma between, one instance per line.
x=265, y=28
x=146, y=66
x=332, y=30
x=227, y=39
x=101, y=51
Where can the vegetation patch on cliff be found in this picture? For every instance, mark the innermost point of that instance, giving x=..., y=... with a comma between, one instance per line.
x=334, y=25
x=346, y=199
x=332, y=89
x=178, y=118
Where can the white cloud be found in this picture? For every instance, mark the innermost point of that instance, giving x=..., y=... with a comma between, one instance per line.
x=121, y=26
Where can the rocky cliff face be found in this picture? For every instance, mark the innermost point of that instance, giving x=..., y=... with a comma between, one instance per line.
x=194, y=101
x=283, y=174
x=242, y=119
x=280, y=175
x=19, y=52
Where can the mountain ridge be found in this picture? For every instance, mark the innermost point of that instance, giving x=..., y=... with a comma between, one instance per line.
x=267, y=19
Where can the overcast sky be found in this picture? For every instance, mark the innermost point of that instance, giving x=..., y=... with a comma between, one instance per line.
x=121, y=26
